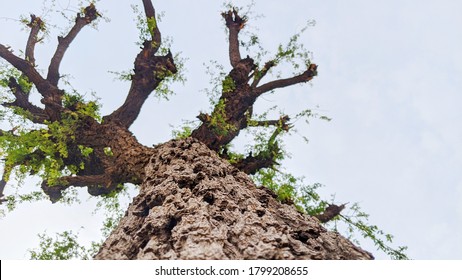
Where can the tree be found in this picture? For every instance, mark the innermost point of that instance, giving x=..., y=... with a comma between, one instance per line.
x=195, y=199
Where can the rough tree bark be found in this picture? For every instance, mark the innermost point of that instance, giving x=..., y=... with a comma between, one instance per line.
x=193, y=204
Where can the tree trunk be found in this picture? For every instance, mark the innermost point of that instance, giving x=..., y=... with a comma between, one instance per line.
x=195, y=205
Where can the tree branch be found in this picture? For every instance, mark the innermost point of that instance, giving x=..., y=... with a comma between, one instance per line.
x=258, y=75
x=150, y=13
x=150, y=71
x=149, y=9
x=234, y=108
x=36, y=24
x=234, y=23
x=90, y=14
x=2, y=189
x=51, y=93
x=97, y=185
x=302, y=78
x=330, y=213
x=282, y=122
x=251, y=164
x=268, y=157
x=27, y=69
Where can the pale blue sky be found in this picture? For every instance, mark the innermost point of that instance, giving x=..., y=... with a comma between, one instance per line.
x=389, y=76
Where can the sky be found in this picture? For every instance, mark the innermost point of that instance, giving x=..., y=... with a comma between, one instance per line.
x=389, y=77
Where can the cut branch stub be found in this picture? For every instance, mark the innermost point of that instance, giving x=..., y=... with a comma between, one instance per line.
x=234, y=23
x=97, y=185
x=330, y=213
x=251, y=164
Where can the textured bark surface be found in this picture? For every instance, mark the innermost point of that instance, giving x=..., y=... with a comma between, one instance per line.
x=195, y=205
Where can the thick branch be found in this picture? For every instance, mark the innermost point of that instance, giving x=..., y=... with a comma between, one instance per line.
x=234, y=23
x=150, y=71
x=28, y=69
x=226, y=121
x=36, y=24
x=51, y=93
x=302, y=78
x=149, y=9
x=97, y=185
x=330, y=213
x=90, y=14
x=251, y=164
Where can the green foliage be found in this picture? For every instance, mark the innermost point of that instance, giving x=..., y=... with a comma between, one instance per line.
x=81, y=108
x=34, y=152
x=152, y=25
x=218, y=121
x=41, y=149
x=123, y=75
x=217, y=74
x=64, y=246
x=85, y=151
x=357, y=222
x=283, y=185
x=228, y=85
x=25, y=84
x=108, y=151
x=113, y=208
x=294, y=52
x=145, y=26
x=13, y=200
x=164, y=89
x=6, y=71
x=291, y=189
x=182, y=133
x=233, y=157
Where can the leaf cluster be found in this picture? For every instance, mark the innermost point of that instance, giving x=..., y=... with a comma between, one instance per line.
x=64, y=246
